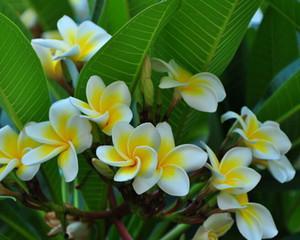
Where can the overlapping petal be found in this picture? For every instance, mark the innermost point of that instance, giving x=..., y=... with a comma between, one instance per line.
x=68, y=163
x=143, y=184
x=26, y=173
x=110, y=156
x=94, y=90
x=128, y=173
x=8, y=141
x=7, y=168
x=167, y=142
x=282, y=170
x=148, y=158
x=120, y=137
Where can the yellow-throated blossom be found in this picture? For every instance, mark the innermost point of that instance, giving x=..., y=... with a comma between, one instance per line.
x=232, y=174
x=12, y=150
x=201, y=91
x=173, y=164
x=267, y=141
x=214, y=227
x=253, y=220
x=106, y=105
x=65, y=135
x=133, y=150
x=79, y=42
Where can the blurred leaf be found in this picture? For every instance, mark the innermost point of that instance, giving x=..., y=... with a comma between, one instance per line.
x=270, y=53
x=18, y=5
x=11, y=13
x=23, y=86
x=122, y=57
x=283, y=105
x=50, y=11
x=135, y=6
x=114, y=15
x=7, y=197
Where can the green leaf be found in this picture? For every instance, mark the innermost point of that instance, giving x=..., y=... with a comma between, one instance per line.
x=50, y=11
x=283, y=105
x=23, y=87
x=8, y=11
x=114, y=15
x=270, y=53
x=122, y=57
x=135, y=6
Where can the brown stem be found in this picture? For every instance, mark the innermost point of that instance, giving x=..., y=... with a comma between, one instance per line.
x=175, y=101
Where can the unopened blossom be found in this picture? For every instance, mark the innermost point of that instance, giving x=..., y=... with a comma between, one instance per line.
x=268, y=143
x=106, y=105
x=13, y=147
x=133, y=151
x=232, y=174
x=253, y=220
x=202, y=91
x=173, y=164
x=215, y=226
x=65, y=135
x=79, y=42
x=29, y=18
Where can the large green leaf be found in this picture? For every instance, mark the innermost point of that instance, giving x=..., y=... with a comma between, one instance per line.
x=283, y=105
x=23, y=86
x=135, y=6
x=270, y=53
x=11, y=13
x=50, y=11
x=122, y=57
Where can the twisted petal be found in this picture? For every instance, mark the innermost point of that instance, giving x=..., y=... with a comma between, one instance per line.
x=169, y=82
x=174, y=181
x=264, y=150
x=8, y=141
x=51, y=43
x=120, y=137
x=118, y=113
x=6, y=169
x=187, y=156
x=115, y=93
x=43, y=132
x=212, y=158
x=148, y=158
x=26, y=143
x=70, y=52
x=282, y=170
x=94, y=90
x=200, y=98
x=26, y=173
x=227, y=201
x=252, y=124
x=110, y=156
x=127, y=173
x=42, y=154
x=67, y=29
x=234, y=158
x=161, y=66
x=143, y=184
x=167, y=140
x=83, y=107
x=219, y=223
x=68, y=163
x=144, y=135
x=212, y=82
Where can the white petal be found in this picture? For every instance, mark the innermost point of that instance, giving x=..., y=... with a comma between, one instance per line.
x=101, y=120
x=174, y=181
x=187, y=156
x=227, y=201
x=110, y=156
x=212, y=82
x=169, y=82
x=26, y=173
x=127, y=173
x=160, y=65
x=143, y=184
x=83, y=107
x=72, y=51
x=264, y=150
x=148, y=159
x=120, y=137
x=51, y=43
x=41, y=154
x=248, y=226
x=43, y=132
x=219, y=223
x=6, y=169
x=94, y=90
x=167, y=142
x=201, y=99
x=282, y=170
x=212, y=157
x=68, y=163
x=8, y=141
x=67, y=29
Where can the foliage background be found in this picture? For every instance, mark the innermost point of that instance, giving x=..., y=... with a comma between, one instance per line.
x=257, y=62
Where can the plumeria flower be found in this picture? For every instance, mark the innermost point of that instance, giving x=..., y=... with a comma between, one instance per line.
x=133, y=151
x=214, y=227
x=79, y=42
x=232, y=174
x=29, y=18
x=106, y=105
x=65, y=135
x=268, y=142
x=173, y=164
x=201, y=91
x=254, y=221
x=13, y=147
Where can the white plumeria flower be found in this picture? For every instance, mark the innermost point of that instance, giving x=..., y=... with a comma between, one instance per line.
x=266, y=139
x=13, y=147
x=201, y=91
x=254, y=221
x=29, y=18
x=173, y=164
x=106, y=105
x=65, y=135
x=134, y=151
x=79, y=42
x=214, y=227
x=81, y=9
x=232, y=174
